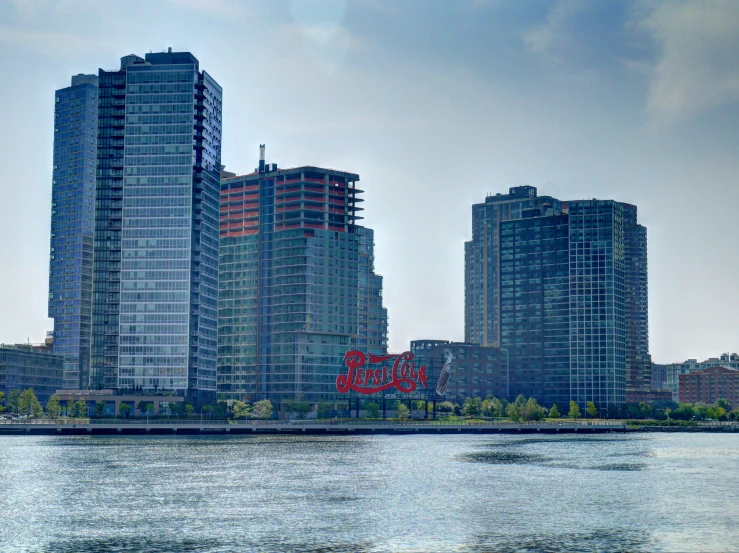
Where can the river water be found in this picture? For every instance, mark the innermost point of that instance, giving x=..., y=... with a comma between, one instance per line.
x=636, y=492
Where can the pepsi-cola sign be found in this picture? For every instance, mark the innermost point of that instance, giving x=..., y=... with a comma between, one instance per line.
x=402, y=375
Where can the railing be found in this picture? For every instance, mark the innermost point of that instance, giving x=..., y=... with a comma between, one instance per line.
x=306, y=422
x=344, y=421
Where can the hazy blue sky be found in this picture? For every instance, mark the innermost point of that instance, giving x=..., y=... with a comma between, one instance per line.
x=434, y=104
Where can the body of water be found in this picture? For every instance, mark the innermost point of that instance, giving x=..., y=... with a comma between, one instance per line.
x=615, y=492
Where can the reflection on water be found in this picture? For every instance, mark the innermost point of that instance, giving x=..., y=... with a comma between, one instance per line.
x=502, y=457
x=369, y=494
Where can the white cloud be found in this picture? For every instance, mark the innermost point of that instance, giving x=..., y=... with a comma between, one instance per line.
x=213, y=8
x=544, y=38
x=698, y=67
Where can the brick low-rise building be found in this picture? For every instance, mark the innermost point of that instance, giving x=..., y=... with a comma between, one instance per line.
x=476, y=371
x=709, y=385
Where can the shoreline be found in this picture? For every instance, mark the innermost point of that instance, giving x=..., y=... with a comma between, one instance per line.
x=342, y=428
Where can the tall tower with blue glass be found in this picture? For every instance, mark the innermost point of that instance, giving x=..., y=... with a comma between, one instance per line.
x=156, y=227
x=72, y=212
x=573, y=300
x=482, y=260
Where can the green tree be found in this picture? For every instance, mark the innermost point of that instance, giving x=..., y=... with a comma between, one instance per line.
x=124, y=410
x=554, y=412
x=419, y=405
x=302, y=408
x=716, y=413
x=723, y=403
x=373, y=410
x=142, y=406
x=591, y=409
x=99, y=408
x=574, y=411
x=403, y=411
x=240, y=409
x=498, y=409
x=645, y=410
x=472, y=406
x=486, y=409
x=189, y=409
x=324, y=409
x=532, y=411
x=513, y=412
x=53, y=409
x=2, y=397
x=15, y=393
x=221, y=408
x=28, y=404
x=175, y=409
x=263, y=409
x=445, y=407
x=79, y=408
x=684, y=412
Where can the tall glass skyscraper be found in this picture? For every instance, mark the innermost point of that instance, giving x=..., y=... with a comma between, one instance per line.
x=156, y=226
x=72, y=212
x=535, y=306
x=597, y=302
x=482, y=256
x=572, y=300
x=292, y=258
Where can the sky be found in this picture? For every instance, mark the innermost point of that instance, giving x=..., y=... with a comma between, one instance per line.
x=435, y=104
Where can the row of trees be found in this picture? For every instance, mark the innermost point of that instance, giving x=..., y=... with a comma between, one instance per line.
x=523, y=408
x=22, y=403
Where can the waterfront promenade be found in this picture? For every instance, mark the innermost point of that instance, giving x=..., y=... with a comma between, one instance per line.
x=328, y=427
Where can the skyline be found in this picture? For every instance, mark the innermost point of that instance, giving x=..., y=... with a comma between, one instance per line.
x=431, y=128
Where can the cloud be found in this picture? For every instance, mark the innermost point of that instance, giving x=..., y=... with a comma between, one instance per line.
x=698, y=67
x=212, y=8
x=544, y=38
x=52, y=43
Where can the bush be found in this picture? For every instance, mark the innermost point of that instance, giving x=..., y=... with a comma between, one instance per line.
x=373, y=410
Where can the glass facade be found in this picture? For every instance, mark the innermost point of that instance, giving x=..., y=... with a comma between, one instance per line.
x=156, y=241
x=23, y=367
x=535, y=310
x=482, y=268
x=597, y=303
x=572, y=299
x=290, y=267
x=72, y=213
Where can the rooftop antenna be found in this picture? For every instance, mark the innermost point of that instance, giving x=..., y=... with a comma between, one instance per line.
x=261, y=158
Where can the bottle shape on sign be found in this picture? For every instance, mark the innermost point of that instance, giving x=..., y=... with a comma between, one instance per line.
x=444, y=376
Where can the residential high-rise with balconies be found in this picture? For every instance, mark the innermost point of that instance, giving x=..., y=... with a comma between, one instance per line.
x=72, y=214
x=371, y=315
x=297, y=285
x=155, y=275
x=638, y=360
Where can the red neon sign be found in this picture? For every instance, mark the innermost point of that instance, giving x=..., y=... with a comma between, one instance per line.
x=403, y=376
